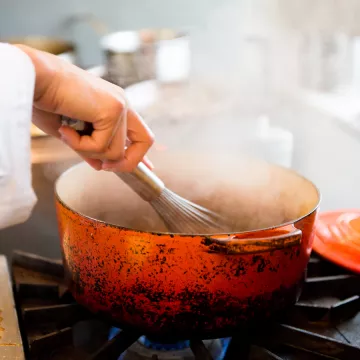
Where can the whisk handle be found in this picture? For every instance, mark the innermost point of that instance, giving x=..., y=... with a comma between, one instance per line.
x=142, y=180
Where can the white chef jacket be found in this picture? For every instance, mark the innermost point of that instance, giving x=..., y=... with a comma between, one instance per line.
x=17, y=79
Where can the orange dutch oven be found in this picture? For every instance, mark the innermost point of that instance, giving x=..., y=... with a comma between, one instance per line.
x=122, y=264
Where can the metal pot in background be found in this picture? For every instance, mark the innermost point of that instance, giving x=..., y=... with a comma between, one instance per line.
x=134, y=56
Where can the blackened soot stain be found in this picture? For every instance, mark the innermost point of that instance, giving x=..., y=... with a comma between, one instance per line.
x=274, y=268
x=261, y=266
x=297, y=252
x=161, y=248
x=262, y=263
x=199, y=311
x=97, y=286
x=240, y=270
x=255, y=259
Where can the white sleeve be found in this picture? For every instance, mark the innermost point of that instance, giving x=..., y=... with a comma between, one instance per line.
x=17, y=79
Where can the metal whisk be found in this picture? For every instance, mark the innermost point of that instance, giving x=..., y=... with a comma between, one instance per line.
x=178, y=214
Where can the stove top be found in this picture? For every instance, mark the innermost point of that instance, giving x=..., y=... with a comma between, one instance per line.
x=324, y=324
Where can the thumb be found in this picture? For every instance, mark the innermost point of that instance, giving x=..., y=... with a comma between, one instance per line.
x=70, y=136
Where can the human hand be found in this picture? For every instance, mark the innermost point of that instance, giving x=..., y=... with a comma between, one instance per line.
x=120, y=138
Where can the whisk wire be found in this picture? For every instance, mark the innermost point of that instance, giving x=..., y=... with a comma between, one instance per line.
x=184, y=216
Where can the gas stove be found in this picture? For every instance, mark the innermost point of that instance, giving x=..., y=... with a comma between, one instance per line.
x=324, y=324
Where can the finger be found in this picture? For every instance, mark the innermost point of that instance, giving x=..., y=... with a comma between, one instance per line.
x=74, y=140
x=141, y=139
x=116, y=167
x=94, y=163
x=148, y=163
x=50, y=124
x=117, y=146
x=133, y=155
x=69, y=135
x=116, y=149
x=99, y=143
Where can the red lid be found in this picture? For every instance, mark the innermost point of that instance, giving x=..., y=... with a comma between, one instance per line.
x=337, y=238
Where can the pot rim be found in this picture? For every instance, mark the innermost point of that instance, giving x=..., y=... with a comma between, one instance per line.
x=163, y=233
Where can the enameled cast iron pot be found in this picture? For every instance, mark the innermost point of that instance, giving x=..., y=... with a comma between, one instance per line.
x=122, y=264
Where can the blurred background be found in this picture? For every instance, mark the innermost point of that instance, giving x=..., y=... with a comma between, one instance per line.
x=275, y=79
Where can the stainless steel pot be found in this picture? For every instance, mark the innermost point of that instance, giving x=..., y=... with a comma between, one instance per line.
x=133, y=56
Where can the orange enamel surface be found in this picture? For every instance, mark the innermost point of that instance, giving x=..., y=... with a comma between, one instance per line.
x=337, y=238
x=164, y=284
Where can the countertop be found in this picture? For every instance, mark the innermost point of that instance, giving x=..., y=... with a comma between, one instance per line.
x=11, y=347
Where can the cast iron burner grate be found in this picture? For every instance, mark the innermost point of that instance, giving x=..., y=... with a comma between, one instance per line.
x=325, y=324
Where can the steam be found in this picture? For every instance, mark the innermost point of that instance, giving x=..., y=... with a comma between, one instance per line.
x=244, y=56
x=248, y=193
x=229, y=52
x=243, y=59
x=320, y=16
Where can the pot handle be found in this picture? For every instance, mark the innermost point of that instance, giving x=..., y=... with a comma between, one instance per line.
x=255, y=242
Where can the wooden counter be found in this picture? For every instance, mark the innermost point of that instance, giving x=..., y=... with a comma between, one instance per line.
x=46, y=149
